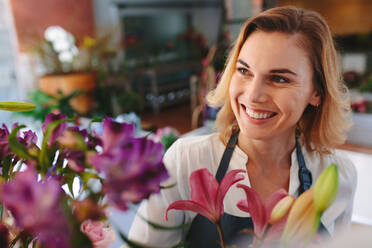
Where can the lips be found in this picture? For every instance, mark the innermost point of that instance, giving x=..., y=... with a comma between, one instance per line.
x=258, y=114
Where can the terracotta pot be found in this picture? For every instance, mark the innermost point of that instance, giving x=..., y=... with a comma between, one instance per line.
x=68, y=83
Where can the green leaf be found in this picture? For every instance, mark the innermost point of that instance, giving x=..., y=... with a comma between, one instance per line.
x=96, y=119
x=1, y=211
x=163, y=228
x=131, y=244
x=17, y=106
x=6, y=162
x=17, y=147
x=168, y=186
x=70, y=184
x=78, y=239
x=44, y=158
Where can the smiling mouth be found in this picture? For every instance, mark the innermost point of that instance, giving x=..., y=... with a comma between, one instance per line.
x=258, y=115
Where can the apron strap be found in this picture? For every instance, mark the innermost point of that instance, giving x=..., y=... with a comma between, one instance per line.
x=304, y=173
x=226, y=157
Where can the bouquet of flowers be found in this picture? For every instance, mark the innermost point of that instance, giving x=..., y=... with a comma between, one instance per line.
x=55, y=194
x=40, y=204
x=59, y=52
x=280, y=221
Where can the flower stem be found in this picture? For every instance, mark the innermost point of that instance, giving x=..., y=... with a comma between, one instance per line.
x=220, y=232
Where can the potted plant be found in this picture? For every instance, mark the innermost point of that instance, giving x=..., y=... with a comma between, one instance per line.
x=68, y=66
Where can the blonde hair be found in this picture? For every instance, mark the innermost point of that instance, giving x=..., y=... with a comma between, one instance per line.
x=320, y=127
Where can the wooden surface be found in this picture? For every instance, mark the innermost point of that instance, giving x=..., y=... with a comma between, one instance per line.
x=356, y=148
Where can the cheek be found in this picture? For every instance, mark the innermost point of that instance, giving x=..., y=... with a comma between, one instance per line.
x=293, y=105
x=235, y=87
x=233, y=94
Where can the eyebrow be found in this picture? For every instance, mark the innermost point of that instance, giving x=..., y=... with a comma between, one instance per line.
x=280, y=70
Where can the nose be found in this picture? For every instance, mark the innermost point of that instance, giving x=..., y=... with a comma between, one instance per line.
x=257, y=90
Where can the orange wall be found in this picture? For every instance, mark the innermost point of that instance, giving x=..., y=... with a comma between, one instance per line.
x=343, y=16
x=32, y=17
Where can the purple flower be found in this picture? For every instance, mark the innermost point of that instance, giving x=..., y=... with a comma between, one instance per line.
x=132, y=167
x=75, y=159
x=58, y=130
x=115, y=134
x=29, y=138
x=36, y=207
x=4, y=143
x=75, y=142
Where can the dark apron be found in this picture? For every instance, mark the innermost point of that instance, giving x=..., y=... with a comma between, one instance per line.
x=203, y=233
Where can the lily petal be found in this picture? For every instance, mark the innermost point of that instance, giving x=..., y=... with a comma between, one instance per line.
x=302, y=218
x=255, y=207
x=227, y=181
x=204, y=188
x=275, y=231
x=192, y=206
x=274, y=199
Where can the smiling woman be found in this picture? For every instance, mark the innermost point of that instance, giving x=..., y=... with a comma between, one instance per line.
x=271, y=87
x=283, y=110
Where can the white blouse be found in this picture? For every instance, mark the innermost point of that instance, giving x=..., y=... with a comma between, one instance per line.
x=189, y=154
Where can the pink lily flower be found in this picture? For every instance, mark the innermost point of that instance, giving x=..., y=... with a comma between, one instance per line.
x=260, y=212
x=206, y=194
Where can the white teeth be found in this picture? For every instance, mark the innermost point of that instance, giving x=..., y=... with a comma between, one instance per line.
x=257, y=115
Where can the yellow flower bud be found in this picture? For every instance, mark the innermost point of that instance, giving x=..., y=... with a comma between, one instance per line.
x=325, y=189
x=17, y=106
x=281, y=209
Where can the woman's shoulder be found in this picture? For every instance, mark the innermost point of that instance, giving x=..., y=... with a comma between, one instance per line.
x=346, y=168
x=196, y=143
x=191, y=153
x=341, y=210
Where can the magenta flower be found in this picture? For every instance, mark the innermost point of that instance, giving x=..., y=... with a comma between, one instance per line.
x=132, y=167
x=206, y=194
x=4, y=143
x=35, y=206
x=260, y=211
x=75, y=142
x=115, y=134
x=59, y=129
x=28, y=139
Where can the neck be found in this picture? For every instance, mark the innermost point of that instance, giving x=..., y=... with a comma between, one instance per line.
x=269, y=153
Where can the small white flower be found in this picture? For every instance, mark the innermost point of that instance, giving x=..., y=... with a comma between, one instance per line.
x=54, y=33
x=66, y=57
x=61, y=45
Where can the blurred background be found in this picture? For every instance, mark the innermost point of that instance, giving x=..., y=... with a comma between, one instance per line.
x=153, y=61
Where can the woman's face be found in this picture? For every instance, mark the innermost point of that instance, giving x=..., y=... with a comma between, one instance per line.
x=271, y=85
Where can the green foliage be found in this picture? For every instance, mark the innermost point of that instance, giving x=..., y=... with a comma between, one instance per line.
x=367, y=85
x=45, y=104
x=130, y=102
x=168, y=140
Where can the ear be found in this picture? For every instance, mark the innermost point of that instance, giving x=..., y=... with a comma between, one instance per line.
x=315, y=99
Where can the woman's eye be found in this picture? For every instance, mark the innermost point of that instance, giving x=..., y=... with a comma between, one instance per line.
x=279, y=79
x=242, y=70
